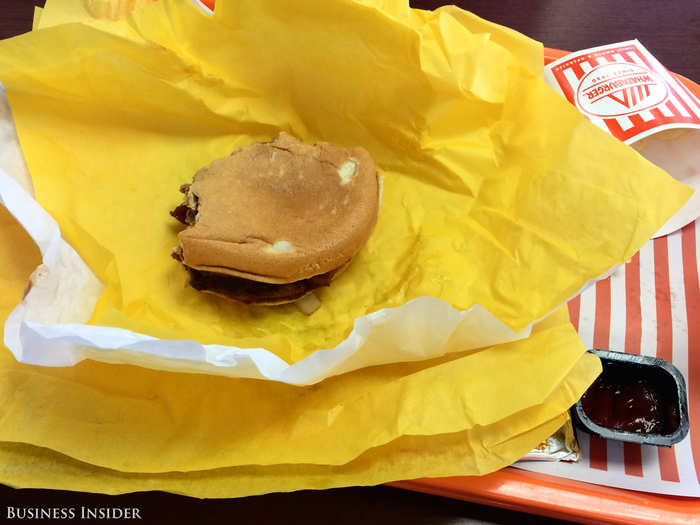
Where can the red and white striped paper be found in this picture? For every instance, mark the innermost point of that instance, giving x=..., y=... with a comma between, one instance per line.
x=651, y=306
x=623, y=89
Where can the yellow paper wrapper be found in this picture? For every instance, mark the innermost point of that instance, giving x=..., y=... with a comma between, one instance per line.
x=188, y=422
x=105, y=428
x=411, y=457
x=496, y=192
x=113, y=429
x=163, y=92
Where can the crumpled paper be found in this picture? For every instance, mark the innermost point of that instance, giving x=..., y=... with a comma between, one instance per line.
x=118, y=428
x=560, y=446
x=663, y=130
x=411, y=457
x=114, y=429
x=185, y=422
x=487, y=204
x=107, y=428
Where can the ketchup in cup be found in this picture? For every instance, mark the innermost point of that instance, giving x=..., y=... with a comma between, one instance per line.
x=637, y=399
x=645, y=402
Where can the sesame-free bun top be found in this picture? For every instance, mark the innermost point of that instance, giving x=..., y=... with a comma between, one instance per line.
x=281, y=211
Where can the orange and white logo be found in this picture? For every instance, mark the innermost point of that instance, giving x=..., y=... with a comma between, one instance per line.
x=613, y=90
x=623, y=89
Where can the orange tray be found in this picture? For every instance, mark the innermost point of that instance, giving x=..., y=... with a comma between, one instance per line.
x=554, y=497
x=562, y=498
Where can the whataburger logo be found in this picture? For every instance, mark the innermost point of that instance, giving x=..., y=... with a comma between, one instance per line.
x=617, y=89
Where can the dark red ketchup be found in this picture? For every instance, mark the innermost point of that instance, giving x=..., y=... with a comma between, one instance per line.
x=639, y=399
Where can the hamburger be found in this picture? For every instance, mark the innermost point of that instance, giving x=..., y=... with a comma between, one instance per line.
x=276, y=220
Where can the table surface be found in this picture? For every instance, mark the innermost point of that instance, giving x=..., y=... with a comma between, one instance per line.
x=670, y=30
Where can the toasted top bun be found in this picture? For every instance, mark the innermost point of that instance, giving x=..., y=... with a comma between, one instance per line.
x=281, y=211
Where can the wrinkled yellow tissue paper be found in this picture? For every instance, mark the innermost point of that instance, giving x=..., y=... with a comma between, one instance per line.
x=411, y=457
x=106, y=428
x=196, y=422
x=496, y=191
